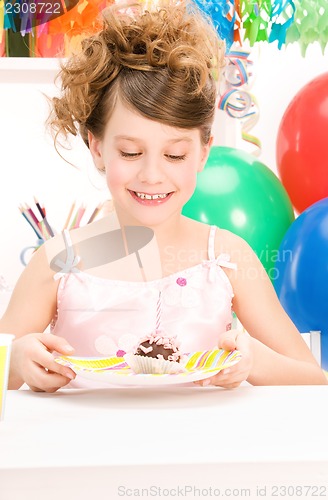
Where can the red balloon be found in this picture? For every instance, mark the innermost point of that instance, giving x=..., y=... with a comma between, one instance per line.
x=302, y=145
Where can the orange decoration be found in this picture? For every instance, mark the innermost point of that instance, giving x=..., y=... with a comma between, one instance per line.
x=49, y=45
x=83, y=19
x=3, y=45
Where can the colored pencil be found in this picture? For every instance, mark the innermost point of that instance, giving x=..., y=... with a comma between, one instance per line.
x=95, y=212
x=43, y=215
x=32, y=214
x=31, y=222
x=42, y=228
x=72, y=224
x=69, y=216
x=79, y=216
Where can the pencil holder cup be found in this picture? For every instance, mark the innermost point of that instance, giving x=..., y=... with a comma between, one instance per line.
x=27, y=252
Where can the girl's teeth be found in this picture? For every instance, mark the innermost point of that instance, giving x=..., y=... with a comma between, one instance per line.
x=144, y=196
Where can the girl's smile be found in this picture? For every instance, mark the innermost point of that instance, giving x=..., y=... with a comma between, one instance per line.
x=149, y=199
x=151, y=168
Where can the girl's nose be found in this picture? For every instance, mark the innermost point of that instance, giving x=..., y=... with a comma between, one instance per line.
x=151, y=171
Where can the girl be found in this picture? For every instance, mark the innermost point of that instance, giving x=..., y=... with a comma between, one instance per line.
x=142, y=95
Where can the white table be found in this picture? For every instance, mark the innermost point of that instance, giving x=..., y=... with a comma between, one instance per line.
x=249, y=442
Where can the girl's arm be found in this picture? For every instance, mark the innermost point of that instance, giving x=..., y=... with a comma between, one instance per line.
x=277, y=351
x=272, y=368
x=30, y=310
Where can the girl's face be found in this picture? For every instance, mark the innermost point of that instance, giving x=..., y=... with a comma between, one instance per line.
x=151, y=168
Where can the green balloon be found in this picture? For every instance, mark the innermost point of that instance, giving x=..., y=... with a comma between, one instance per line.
x=235, y=191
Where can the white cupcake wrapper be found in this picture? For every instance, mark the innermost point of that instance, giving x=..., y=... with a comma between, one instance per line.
x=145, y=364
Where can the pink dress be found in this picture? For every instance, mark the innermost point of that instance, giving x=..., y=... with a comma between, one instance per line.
x=102, y=317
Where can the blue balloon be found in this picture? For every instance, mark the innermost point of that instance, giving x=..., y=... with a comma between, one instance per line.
x=301, y=273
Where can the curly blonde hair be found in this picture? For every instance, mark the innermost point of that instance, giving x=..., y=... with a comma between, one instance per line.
x=160, y=62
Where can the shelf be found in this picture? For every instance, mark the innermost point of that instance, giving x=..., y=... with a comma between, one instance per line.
x=28, y=69
x=24, y=63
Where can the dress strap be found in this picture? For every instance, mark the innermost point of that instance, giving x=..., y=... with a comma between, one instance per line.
x=223, y=260
x=71, y=260
x=211, y=243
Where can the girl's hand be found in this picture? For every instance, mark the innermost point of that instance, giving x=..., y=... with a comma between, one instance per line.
x=32, y=362
x=232, y=377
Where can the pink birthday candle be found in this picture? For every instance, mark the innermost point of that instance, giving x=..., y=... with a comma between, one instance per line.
x=159, y=311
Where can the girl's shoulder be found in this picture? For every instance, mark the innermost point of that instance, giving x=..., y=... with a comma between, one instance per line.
x=240, y=252
x=75, y=239
x=226, y=241
x=33, y=300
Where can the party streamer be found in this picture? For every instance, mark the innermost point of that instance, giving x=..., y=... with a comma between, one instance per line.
x=222, y=15
x=238, y=102
x=281, y=21
x=281, y=9
x=310, y=24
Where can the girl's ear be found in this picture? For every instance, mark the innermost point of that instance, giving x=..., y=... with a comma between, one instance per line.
x=205, y=153
x=95, y=150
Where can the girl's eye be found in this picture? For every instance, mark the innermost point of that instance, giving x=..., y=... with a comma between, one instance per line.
x=176, y=157
x=129, y=155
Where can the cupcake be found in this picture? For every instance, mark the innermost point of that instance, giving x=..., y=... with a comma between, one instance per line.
x=158, y=353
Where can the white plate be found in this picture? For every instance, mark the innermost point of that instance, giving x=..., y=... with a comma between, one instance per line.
x=115, y=371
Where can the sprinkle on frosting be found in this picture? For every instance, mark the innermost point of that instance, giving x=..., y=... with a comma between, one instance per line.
x=160, y=338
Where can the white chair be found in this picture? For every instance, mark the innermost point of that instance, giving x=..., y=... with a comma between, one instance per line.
x=313, y=340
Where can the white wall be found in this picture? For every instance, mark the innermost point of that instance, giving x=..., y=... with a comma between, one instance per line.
x=280, y=75
x=29, y=163
x=30, y=166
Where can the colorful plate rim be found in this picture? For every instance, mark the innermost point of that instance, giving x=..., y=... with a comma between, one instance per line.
x=115, y=371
